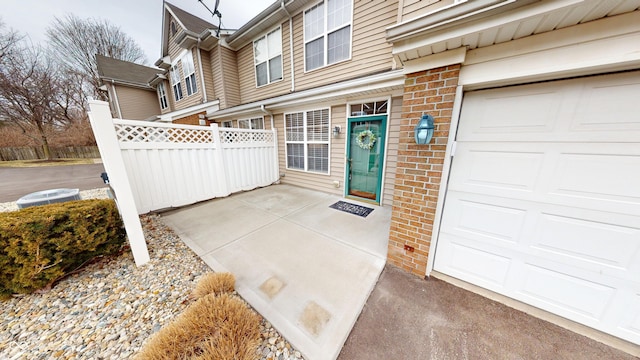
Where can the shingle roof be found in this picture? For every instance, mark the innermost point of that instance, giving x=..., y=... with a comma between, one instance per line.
x=191, y=22
x=125, y=71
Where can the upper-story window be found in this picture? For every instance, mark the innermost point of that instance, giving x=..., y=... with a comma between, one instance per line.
x=162, y=96
x=267, y=56
x=174, y=75
x=189, y=72
x=253, y=124
x=327, y=33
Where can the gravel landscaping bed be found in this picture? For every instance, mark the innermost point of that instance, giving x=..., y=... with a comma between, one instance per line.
x=108, y=309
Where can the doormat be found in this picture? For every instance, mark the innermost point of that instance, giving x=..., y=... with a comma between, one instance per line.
x=352, y=208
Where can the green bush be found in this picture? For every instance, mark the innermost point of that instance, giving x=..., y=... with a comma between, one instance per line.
x=43, y=243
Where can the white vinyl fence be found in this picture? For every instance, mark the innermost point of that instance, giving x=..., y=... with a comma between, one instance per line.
x=169, y=165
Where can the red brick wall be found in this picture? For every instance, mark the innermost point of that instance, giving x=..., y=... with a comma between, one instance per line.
x=191, y=119
x=419, y=167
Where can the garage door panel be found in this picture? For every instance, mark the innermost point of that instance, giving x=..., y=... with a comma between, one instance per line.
x=631, y=324
x=607, y=177
x=590, y=176
x=488, y=220
x=543, y=199
x=571, y=110
x=550, y=289
x=540, y=105
x=588, y=240
x=603, y=98
x=501, y=169
x=479, y=219
x=600, y=243
x=491, y=271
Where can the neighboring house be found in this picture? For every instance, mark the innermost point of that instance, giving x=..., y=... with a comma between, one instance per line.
x=127, y=84
x=529, y=185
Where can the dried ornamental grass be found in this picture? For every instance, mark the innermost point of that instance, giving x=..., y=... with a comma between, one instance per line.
x=214, y=283
x=216, y=326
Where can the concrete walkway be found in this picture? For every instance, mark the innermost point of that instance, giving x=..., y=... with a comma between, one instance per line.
x=305, y=267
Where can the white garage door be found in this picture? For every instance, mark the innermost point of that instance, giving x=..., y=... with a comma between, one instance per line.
x=543, y=201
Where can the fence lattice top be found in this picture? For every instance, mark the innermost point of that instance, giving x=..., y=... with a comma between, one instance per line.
x=228, y=135
x=161, y=134
x=129, y=131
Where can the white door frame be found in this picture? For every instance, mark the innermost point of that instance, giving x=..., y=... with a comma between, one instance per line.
x=444, y=179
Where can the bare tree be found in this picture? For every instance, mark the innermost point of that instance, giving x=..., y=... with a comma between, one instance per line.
x=75, y=42
x=8, y=41
x=35, y=95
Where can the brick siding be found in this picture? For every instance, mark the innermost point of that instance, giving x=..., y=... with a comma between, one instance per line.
x=419, y=167
x=191, y=119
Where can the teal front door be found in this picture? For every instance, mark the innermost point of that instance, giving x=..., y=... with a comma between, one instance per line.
x=365, y=156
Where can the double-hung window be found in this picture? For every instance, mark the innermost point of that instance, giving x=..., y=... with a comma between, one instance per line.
x=174, y=75
x=162, y=95
x=327, y=33
x=307, y=140
x=267, y=56
x=253, y=124
x=189, y=72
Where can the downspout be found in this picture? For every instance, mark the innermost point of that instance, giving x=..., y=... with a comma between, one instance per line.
x=204, y=88
x=267, y=112
x=293, y=76
x=115, y=99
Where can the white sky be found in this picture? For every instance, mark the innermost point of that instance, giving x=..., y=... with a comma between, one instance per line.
x=140, y=19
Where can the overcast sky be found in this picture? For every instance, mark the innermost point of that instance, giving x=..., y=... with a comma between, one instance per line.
x=140, y=19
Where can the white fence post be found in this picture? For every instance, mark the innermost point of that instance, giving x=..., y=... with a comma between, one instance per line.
x=276, y=157
x=104, y=131
x=220, y=165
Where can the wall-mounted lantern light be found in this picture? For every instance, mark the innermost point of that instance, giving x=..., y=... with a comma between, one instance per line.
x=336, y=131
x=424, y=130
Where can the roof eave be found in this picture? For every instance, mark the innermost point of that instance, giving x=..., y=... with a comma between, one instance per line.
x=253, y=28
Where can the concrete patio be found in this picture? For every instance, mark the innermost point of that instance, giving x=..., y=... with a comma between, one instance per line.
x=305, y=267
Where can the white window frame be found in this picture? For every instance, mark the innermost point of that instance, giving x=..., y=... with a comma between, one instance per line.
x=306, y=142
x=189, y=71
x=325, y=35
x=174, y=76
x=251, y=123
x=358, y=108
x=162, y=96
x=271, y=54
x=227, y=124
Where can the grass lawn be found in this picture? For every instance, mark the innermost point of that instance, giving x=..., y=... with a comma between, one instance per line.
x=37, y=163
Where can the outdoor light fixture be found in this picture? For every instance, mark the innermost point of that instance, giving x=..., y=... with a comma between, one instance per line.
x=336, y=131
x=424, y=130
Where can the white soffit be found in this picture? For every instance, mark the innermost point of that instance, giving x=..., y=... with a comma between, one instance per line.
x=490, y=28
x=606, y=45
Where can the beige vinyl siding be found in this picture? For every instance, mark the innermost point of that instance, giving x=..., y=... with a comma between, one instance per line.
x=225, y=78
x=413, y=8
x=174, y=49
x=370, y=52
x=208, y=75
x=229, y=65
x=216, y=73
x=137, y=104
x=391, y=156
x=310, y=180
x=323, y=182
x=247, y=76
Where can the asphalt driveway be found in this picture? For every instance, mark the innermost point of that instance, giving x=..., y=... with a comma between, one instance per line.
x=410, y=318
x=17, y=182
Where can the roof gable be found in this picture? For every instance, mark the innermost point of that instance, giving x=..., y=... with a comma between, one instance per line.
x=188, y=22
x=125, y=72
